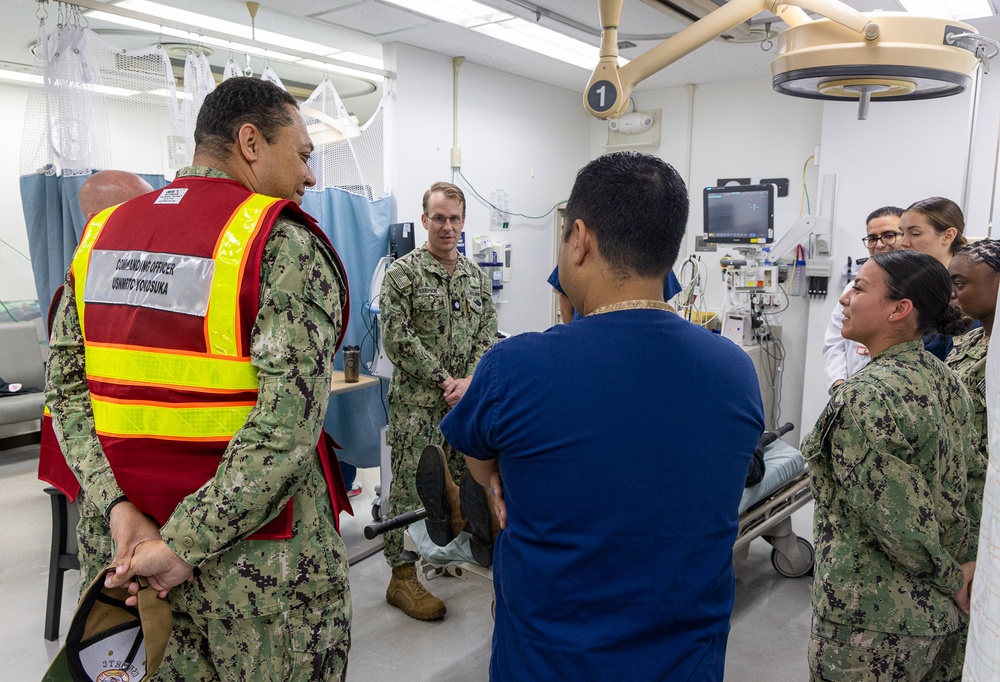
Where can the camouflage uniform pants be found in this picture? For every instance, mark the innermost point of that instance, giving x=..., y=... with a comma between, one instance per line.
x=411, y=429
x=95, y=548
x=838, y=653
x=308, y=642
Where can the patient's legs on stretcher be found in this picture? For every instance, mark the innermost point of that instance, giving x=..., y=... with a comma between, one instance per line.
x=451, y=509
x=440, y=497
x=477, y=509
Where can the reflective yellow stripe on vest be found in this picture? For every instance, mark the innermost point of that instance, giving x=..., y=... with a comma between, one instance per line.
x=165, y=420
x=220, y=369
x=196, y=371
x=222, y=320
x=81, y=259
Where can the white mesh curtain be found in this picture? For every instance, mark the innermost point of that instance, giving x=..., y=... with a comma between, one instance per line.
x=99, y=106
x=347, y=156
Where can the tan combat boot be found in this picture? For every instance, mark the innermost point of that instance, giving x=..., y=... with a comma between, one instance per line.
x=405, y=592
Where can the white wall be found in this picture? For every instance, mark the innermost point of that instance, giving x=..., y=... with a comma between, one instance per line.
x=516, y=134
x=17, y=282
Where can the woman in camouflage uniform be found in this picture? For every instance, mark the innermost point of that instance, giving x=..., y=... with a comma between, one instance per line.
x=975, y=274
x=888, y=463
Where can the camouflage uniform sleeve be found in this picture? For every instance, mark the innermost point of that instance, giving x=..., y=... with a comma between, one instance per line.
x=399, y=335
x=68, y=399
x=890, y=495
x=292, y=348
x=487, y=333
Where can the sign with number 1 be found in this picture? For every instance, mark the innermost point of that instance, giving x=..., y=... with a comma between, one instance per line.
x=602, y=96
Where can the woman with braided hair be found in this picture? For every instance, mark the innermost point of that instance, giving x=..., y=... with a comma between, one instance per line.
x=975, y=275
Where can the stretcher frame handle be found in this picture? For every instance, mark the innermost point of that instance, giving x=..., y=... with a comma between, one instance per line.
x=373, y=530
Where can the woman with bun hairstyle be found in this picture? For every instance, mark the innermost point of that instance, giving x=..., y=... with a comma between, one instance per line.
x=935, y=226
x=887, y=461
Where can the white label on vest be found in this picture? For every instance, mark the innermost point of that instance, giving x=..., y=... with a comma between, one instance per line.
x=165, y=281
x=171, y=195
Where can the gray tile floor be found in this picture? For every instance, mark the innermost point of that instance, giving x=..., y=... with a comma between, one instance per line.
x=770, y=624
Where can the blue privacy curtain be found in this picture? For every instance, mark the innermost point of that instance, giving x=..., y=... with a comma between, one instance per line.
x=359, y=230
x=55, y=224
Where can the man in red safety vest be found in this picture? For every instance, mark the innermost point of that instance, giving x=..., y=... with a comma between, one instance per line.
x=191, y=359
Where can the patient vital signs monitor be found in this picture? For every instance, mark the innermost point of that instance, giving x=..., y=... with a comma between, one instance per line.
x=739, y=214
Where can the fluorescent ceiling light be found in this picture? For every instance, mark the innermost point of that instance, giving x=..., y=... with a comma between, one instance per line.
x=949, y=9
x=333, y=68
x=102, y=89
x=464, y=13
x=19, y=77
x=240, y=33
x=163, y=92
x=544, y=41
x=489, y=21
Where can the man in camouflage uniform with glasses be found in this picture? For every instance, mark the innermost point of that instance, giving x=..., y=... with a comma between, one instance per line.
x=842, y=357
x=438, y=319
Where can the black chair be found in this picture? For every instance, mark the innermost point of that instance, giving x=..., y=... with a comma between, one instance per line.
x=62, y=558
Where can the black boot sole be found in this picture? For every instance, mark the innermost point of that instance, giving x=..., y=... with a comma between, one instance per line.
x=430, y=490
x=475, y=508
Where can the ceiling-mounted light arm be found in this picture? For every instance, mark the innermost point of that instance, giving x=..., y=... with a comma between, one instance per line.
x=610, y=85
x=975, y=46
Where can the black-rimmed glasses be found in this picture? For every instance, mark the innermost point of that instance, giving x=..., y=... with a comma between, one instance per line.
x=887, y=238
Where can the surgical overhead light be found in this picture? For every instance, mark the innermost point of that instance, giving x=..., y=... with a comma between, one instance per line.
x=849, y=55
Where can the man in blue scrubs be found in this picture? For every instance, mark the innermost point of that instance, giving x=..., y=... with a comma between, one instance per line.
x=591, y=586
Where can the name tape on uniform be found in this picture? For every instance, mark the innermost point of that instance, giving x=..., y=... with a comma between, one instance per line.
x=164, y=281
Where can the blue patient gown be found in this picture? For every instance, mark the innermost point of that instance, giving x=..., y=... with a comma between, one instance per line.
x=632, y=581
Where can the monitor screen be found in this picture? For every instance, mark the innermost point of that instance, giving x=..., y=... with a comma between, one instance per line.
x=739, y=214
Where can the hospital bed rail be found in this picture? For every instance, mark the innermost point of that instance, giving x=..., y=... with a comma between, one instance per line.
x=771, y=519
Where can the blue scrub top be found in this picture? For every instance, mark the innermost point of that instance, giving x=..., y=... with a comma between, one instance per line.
x=591, y=583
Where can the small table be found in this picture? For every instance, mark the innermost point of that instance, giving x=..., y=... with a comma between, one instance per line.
x=357, y=546
x=338, y=385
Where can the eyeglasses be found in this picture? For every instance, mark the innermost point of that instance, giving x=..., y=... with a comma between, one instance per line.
x=440, y=220
x=887, y=238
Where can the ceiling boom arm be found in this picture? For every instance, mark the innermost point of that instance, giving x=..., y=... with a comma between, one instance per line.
x=609, y=88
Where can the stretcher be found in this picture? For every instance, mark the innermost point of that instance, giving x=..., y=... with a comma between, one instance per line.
x=765, y=512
